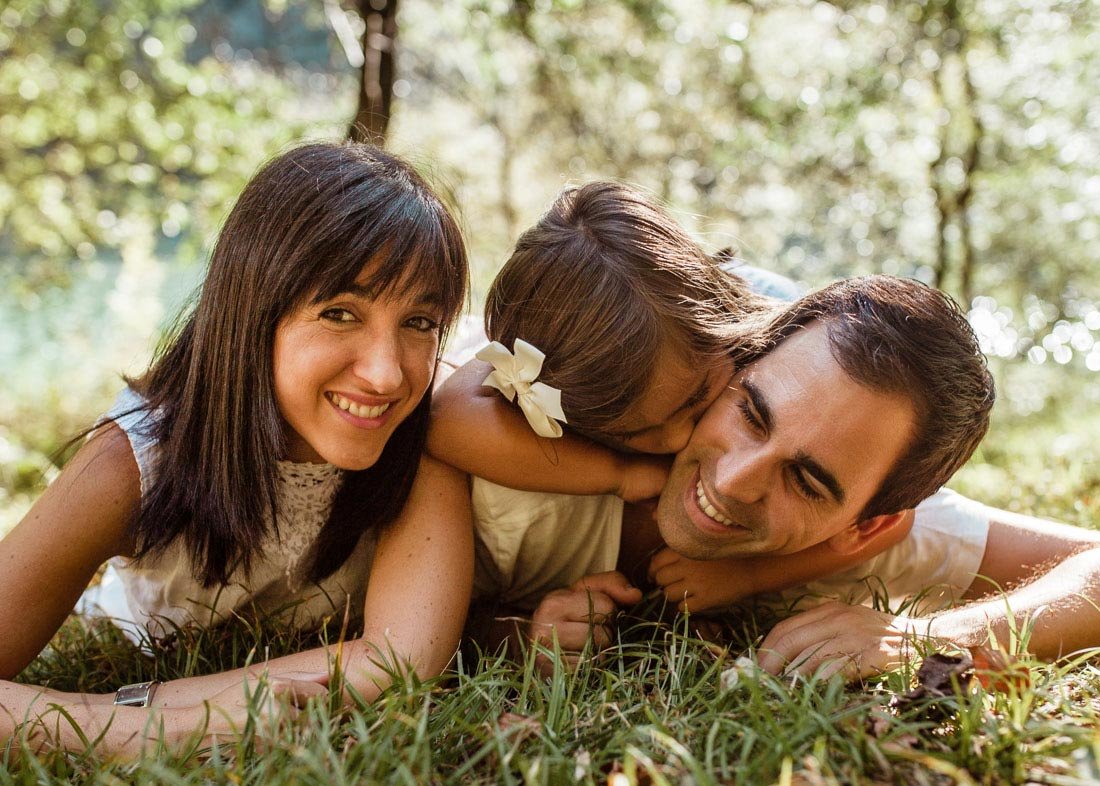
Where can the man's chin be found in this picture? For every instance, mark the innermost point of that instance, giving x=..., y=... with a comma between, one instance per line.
x=687, y=539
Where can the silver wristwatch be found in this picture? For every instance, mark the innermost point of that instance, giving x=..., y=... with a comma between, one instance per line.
x=140, y=694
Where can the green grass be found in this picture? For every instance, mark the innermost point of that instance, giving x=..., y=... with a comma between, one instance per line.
x=652, y=709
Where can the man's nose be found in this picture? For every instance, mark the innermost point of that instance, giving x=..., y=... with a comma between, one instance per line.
x=744, y=475
x=378, y=365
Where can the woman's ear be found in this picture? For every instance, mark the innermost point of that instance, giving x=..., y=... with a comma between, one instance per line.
x=874, y=535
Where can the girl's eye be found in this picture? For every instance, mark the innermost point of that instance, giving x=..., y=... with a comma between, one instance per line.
x=337, y=315
x=807, y=490
x=422, y=324
x=750, y=418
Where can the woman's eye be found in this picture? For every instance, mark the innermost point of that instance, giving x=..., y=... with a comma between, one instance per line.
x=809, y=491
x=423, y=324
x=337, y=315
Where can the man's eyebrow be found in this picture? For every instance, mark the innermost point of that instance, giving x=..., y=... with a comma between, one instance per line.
x=821, y=475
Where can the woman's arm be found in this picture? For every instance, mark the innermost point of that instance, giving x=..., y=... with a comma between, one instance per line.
x=477, y=430
x=45, y=563
x=78, y=523
x=417, y=596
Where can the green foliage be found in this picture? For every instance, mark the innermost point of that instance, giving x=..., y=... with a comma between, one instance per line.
x=110, y=135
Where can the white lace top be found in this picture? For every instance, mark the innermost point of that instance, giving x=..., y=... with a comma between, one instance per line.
x=163, y=592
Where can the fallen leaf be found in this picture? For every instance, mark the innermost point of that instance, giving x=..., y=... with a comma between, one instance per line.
x=938, y=676
x=998, y=671
x=524, y=725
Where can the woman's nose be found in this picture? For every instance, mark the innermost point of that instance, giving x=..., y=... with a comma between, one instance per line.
x=378, y=365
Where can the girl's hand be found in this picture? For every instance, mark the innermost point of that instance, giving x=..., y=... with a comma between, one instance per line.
x=695, y=585
x=643, y=477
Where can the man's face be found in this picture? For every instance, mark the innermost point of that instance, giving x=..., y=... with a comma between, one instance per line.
x=786, y=458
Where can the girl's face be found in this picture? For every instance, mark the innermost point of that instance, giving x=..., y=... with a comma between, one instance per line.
x=349, y=370
x=662, y=419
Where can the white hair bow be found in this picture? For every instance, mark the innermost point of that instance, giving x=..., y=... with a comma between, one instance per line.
x=514, y=375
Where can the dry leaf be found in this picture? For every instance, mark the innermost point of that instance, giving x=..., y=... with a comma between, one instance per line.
x=523, y=725
x=939, y=676
x=998, y=671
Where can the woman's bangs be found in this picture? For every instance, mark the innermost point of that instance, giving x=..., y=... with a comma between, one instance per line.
x=420, y=260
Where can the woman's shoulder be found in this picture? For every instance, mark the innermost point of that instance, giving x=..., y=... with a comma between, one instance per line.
x=131, y=420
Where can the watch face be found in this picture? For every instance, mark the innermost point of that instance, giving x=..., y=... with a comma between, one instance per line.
x=134, y=695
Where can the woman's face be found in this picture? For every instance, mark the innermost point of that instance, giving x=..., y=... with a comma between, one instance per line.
x=350, y=369
x=663, y=417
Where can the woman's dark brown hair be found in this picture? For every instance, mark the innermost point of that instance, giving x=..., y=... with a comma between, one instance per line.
x=301, y=231
x=599, y=284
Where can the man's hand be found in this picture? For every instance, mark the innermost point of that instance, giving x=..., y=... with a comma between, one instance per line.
x=582, y=610
x=695, y=585
x=839, y=638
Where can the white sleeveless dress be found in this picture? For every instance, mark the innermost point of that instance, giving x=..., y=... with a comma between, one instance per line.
x=159, y=594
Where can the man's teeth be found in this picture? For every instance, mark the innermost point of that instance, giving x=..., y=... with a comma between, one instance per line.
x=706, y=507
x=359, y=410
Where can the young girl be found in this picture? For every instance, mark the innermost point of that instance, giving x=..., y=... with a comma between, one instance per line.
x=636, y=333
x=270, y=457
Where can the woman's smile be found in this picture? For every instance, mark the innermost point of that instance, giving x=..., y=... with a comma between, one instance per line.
x=364, y=414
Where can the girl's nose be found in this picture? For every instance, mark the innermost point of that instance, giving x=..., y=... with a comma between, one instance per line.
x=378, y=366
x=677, y=434
x=744, y=475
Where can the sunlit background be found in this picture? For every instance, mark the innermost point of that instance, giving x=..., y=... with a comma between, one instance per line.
x=955, y=142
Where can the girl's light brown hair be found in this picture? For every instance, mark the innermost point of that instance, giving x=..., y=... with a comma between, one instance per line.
x=600, y=284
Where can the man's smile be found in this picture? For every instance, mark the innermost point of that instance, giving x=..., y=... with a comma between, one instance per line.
x=708, y=516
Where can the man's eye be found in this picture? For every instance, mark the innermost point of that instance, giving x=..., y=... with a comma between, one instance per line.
x=809, y=491
x=750, y=416
x=337, y=315
x=423, y=324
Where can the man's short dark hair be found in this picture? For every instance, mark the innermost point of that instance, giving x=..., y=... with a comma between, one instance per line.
x=899, y=336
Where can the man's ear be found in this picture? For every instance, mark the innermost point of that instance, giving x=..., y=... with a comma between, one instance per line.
x=872, y=535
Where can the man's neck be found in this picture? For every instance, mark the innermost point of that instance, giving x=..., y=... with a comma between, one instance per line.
x=639, y=540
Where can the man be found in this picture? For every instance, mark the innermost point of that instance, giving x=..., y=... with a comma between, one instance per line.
x=870, y=399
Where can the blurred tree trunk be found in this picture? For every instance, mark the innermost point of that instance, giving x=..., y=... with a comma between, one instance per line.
x=377, y=76
x=960, y=144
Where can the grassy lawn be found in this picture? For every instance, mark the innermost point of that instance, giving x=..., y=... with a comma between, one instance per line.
x=656, y=709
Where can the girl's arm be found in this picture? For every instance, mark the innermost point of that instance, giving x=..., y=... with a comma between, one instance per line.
x=700, y=585
x=475, y=429
x=417, y=597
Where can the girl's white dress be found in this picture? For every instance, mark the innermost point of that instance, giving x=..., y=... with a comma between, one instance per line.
x=159, y=594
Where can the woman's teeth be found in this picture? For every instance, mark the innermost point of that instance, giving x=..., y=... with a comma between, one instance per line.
x=359, y=410
x=706, y=507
